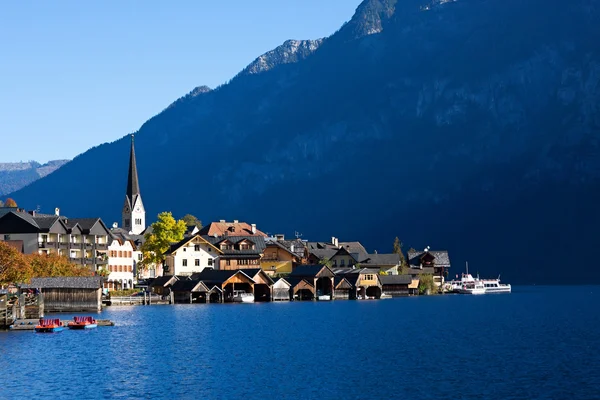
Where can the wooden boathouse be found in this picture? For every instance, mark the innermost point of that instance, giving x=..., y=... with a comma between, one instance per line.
x=320, y=277
x=68, y=294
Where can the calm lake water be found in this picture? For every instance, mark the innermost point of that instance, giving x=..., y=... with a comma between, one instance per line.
x=538, y=342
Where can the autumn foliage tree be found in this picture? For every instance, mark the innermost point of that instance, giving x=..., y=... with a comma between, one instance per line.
x=14, y=268
x=10, y=203
x=165, y=230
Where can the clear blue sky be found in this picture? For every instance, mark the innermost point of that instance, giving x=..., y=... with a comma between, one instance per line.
x=75, y=74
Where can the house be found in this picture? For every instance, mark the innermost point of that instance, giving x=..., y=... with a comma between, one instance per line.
x=83, y=240
x=365, y=282
x=235, y=228
x=69, y=294
x=387, y=263
x=321, y=277
x=301, y=288
x=396, y=285
x=191, y=255
x=280, y=257
x=437, y=262
x=281, y=290
x=188, y=291
x=352, y=253
x=123, y=256
x=238, y=252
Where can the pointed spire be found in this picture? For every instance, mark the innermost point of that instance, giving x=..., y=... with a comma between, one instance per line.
x=133, y=186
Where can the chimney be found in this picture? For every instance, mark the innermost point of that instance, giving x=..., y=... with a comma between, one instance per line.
x=253, y=228
x=235, y=221
x=57, y=211
x=32, y=212
x=222, y=221
x=375, y=251
x=115, y=225
x=335, y=241
x=292, y=248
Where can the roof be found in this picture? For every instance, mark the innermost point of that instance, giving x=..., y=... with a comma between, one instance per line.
x=419, y=271
x=294, y=281
x=133, y=186
x=71, y=282
x=259, y=244
x=395, y=279
x=230, y=228
x=305, y=271
x=46, y=222
x=441, y=258
x=162, y=280
x=123, y=235
x=212, y=277
x=392, y=259
x=187, y=285
x=323, y=253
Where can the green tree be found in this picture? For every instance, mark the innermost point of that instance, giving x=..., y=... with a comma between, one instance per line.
x=398, y=250
x=326, y=261
x=165, y=230
x=427, y=285
x=10, y=203
x=191, y=220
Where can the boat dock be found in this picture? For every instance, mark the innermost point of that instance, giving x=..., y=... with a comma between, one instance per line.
x=29, y=324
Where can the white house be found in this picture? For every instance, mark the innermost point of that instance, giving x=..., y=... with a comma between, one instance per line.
x=120, y=264
x=191, y=255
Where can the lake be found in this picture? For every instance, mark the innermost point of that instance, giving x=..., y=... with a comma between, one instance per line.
x=538, y=342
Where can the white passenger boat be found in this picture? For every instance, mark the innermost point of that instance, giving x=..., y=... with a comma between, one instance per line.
x=242, y=297
x=324, y=297
x=473, y=288
x=494, y=286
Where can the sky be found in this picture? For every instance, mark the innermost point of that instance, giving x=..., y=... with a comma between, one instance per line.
x=76, y=74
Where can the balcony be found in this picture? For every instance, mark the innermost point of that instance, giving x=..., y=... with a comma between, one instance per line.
x=101, y=246
x=76, y=260
x=63, y=245
x=89, y=245
x=48, y=245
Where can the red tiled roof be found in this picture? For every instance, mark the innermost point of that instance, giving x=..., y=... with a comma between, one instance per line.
x=230, y=229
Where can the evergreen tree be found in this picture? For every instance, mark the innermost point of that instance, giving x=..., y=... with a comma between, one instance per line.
x=398, y=250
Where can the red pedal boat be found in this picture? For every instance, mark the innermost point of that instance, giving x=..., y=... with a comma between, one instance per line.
x=49, y=325
x=82, y=323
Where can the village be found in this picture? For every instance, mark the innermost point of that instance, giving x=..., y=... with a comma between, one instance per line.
x=224, y=261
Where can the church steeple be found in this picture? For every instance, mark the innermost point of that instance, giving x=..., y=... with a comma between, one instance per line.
x=134, y=215
x=133, y=186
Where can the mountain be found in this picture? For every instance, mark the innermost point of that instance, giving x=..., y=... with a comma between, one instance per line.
x=14, y=176
x=467, y=125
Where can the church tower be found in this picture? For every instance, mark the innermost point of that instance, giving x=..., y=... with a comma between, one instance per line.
x=134, y=215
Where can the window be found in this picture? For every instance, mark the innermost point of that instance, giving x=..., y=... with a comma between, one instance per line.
x=210, y=262
x=184, y=262
x=197, y=262
x=228, y=262
x=242, y=262
x=342, y=262
x=127, y=222
x=138, y=221
x=196, y=247
x=6, y=237
x=184, y=249
x=120, y=253
x=369, y=277
x=139, y=257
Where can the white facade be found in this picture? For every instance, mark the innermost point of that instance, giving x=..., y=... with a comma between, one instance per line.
x=191, y=257
x=121, y=256
x=134, y=218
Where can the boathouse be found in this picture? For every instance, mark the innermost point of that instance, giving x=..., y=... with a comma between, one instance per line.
x=395, y=285
x=320, y=276
x=301, y=289
x=343, y=289
x=162, y=284
x=223, y=284
x=281, y=290
x=189, y=291
x=69, y=294
x=263, y=283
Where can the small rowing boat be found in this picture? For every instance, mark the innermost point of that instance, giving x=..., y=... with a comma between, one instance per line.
x=49, y=325
x=82, y=323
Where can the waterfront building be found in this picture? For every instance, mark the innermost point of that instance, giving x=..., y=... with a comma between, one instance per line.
x=365, y=282
x=280, y=256
x=238, y=252
x=69, y=294
x=134, y=214
x=320, y=278
x=436, y=263
x=83, y=240
x=191, y=255
x=123, y=256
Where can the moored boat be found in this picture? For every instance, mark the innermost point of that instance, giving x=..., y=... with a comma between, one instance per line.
x=243, y=297
x=472, y=288
x=494, y=286
x=82, y=323
x=49, y=325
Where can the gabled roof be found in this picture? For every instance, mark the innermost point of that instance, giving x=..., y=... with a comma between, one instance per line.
x=74, y=282
x=342, y=283
x=164, y=280
x=230, y=228
x=252, y=272
x=311, y=271
x=86, y=224
x=176, y=246
x=294, y=281
x=11, y=216
x=213, y=277
x=323, y=253
x=441, y=258
x=259, y=244
x=281, y=281
x=189, y=285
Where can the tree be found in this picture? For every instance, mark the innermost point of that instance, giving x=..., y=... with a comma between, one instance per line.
x=10, y=203
x=165, y=230
x=1, y=203
x=398, y=250
x=427, y=285
x=14, y=268
x=52, y=265
x=191, y=220
x=326, y=261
